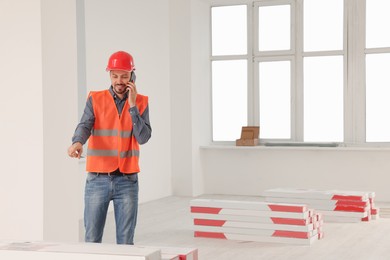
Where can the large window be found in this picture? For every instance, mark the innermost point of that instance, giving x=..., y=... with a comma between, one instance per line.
x=302, y=70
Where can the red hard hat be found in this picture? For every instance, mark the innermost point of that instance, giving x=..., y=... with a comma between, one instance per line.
x=120, y=61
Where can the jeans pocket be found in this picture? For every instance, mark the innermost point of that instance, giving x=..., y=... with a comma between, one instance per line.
x=132, y=177
x=91, y=176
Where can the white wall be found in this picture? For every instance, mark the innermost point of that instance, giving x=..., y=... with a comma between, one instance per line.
x=180, y=82
x=141, y=28
x=249, y=171
x=190, y=92
x=21, y=153
x=200, y=88
x=38, y=106
x=62, y=184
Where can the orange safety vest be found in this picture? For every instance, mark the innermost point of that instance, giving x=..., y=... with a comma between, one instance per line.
x=112, y=144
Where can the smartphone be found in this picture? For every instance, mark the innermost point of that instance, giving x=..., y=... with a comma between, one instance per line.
x=132, y=77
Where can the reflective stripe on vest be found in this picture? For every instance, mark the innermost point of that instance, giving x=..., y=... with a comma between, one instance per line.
x=112, y=144
x=103, y=132
x=95, y=152
x=111, y=132
x=129, y=154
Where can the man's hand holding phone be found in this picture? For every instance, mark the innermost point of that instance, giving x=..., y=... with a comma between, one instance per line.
x=132, y=93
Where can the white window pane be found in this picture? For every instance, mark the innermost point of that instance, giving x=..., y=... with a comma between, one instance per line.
x=377, y=97
x=274, y=27
x=323, y=99
x=229, y=81
x=378, y=23
x=229, y=30
x=275, y=96
x=323, y=25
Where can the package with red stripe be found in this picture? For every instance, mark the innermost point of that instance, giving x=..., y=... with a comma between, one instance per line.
x=178, y=253
x=335, y=205
x=255, y=221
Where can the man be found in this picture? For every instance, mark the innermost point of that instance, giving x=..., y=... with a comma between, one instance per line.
x=116, y=121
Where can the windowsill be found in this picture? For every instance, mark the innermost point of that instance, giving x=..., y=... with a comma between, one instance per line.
x=304, y=148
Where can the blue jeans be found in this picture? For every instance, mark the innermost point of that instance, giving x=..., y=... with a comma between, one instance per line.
x=100, y=189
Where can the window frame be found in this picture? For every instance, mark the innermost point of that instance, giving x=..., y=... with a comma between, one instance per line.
x=354, y=52
x=264, y=56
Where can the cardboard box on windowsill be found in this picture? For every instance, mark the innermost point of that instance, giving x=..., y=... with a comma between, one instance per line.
x=249, y=136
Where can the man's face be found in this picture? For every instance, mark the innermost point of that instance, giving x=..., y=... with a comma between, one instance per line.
x=119, y=79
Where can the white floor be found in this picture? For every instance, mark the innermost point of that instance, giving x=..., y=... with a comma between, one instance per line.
x=167, y=222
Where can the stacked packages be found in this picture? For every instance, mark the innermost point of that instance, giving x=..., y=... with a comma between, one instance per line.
x=256, y=221
x=334, y=205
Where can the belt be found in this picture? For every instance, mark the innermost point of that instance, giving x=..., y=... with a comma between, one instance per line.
x=114, y=173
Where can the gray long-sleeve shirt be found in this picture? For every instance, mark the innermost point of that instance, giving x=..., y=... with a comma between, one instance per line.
x=142, y=130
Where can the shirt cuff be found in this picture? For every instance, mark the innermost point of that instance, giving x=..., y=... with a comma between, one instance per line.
x=134, y=111
x=77, y=140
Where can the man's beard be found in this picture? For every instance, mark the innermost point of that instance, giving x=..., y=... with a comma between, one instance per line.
x=120, y=88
